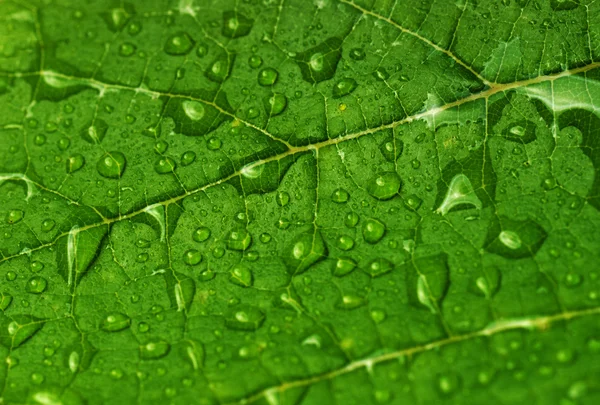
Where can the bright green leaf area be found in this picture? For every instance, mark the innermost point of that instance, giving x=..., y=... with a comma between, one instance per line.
x=298, y=202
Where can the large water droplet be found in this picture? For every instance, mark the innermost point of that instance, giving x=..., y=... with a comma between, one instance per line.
x=201, y=234
x=36, y=285
x=460, y=192
x=244, y=317
x=192, y=257
x=164, y=165
x=75, y=163
x=238, y=239
x=241, y=275
x=236, y=25
x=193, y=109
x=320, y=62
x=379, y=267
x=304, y=251
x=15, y=216
x=180, y=43
x=267, y=77
x=275, y=104
x=343, y=266
x=373, y=230
x=94, y=131
x=154, y=350
x=111, y=165
x=384, y=185
x=115, y=322
x=344, y=87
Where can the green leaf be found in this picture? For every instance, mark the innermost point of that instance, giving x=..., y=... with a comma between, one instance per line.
x=300, y=202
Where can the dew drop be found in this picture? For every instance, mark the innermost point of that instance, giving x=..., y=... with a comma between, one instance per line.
x=384, y=185
x=111, y=165
x=340, y=196
x=14, y=216
x=165, y=165
x=179, y=44
x=201, y=234
x=75, y=163
x=241, y=275
x=115, y=322
x=343, y=266
x=373, y=230
x=267, y=77
x=192, y=257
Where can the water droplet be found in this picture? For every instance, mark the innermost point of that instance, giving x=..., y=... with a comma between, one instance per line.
x=47, y=225
x=373, y=230
x=213, y=144
x=36, y=266
x=320, y=62
x=194, y=110
x=460, y=191
x=510, y=239
x=415, y=163
x=236, y=25
x=179, y=44
x=14, y=216
x=515, y=239
x=161, y=146
x=384, y=185
x=154, y=350
x=488, y=282
x=522, y=132
x=111, y=165
x=275, y=104
x=238, y=239
x=343, y=266
x=383, y=396
x=572, y=280
x=11, y=276
x=267, y=77
x=344, y=87
x=201, y=234
x=282, y=198
x=37, y=378
x=255, y=61
x=115, y=322
x=379, y=267
x=381, y=74
x=245, y=318
x=351, y=302
x=75, y=163
x=562, y=5
x=36, y=285
x=64, y=143
x=127, y=49
x=378, y=315
x=345, y=242
x=305, y=250
x=219, y=69
x=134, y=28
x=165, y=165
x=39, y=139
x=187, y=158
x=340, y=196
x=241, y=275
x=5, y=300
x=94, y=131
x=357, y=54
x=351, y=219
x=448, y=383
x=192, y=257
